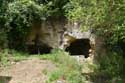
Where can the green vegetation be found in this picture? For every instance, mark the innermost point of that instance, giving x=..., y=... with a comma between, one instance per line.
x=9, y=56
x=68, y=68
x=4, y=58
x=111, y=67
x=106, y=18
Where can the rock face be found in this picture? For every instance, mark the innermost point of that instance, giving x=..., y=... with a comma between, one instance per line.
x=57, y=32
x=49, y=32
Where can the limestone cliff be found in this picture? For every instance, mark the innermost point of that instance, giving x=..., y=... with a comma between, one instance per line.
x=57, y=32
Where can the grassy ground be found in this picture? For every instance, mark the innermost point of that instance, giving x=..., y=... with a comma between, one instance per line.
x=111, y=67
x=67, y=70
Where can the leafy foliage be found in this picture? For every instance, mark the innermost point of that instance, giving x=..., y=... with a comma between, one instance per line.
x=113, y=25
x=112, y=66
x=20, y=15
x=89, y=12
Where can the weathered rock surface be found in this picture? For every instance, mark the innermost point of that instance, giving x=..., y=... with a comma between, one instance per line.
x=57, y=33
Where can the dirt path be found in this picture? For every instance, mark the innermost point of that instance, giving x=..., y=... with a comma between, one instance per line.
x=27, y=71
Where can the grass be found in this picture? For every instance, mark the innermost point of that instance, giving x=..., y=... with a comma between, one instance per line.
x=7, y=56
x=3, y=58
x=68, y=68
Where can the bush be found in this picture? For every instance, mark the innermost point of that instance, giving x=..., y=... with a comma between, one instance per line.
x=4, y=60
x=3, y=39
x=112, y=66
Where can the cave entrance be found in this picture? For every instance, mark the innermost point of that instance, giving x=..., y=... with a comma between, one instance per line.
x=41, y=49
x=79, y=47
x=38, y=47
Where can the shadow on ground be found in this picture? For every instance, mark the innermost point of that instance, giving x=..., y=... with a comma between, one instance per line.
x=5, y=79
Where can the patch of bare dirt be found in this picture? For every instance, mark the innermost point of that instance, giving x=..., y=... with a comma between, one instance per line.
x=28, y=71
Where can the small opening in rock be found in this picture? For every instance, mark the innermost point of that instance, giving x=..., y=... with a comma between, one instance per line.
x=41, y=49
x=79, y=47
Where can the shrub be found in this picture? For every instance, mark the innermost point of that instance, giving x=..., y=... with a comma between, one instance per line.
x=4, y=60
x=112, y=66
x=3, y=39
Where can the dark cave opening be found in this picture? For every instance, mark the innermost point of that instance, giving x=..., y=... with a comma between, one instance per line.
x=79, y=47
x=41, y=49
